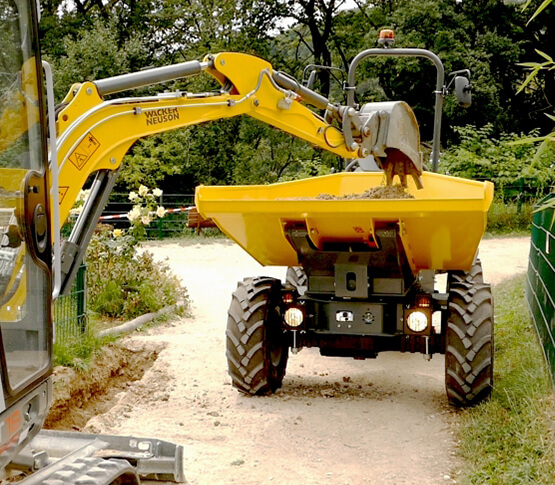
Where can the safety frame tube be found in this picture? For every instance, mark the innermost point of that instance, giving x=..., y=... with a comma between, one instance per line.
x=439, y=91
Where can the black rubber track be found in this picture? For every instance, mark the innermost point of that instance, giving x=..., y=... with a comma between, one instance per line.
x=90, y=470
x=469, y=342
x=256, y=348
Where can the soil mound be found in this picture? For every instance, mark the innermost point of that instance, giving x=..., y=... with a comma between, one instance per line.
x=396, y=191
x=80, y=395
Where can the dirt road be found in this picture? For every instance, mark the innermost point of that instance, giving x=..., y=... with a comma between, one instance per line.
x=335, y=421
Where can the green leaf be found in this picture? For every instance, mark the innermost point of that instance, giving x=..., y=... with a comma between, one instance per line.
x=528, y=80
x=527, y=141
x=545, y=56
x=546, y=205
x=526, y=5
x=540, y=9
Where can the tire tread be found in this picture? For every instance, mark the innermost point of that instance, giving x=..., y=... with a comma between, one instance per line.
x=469, y=340
x=247, y=338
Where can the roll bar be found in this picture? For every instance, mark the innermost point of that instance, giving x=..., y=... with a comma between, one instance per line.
x=439, y=92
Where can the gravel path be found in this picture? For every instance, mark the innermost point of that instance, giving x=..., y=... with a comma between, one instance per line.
x=335, y=421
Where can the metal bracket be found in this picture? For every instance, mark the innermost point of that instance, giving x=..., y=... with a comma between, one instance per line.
x=56, y=258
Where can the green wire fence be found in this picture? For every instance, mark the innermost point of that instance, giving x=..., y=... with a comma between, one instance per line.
x=70, y=311
x=540, y=283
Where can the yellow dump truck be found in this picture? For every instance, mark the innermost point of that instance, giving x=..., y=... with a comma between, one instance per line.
x=362, y=256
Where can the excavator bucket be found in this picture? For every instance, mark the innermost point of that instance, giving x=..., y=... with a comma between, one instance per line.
x=440, y=226
x=396, y=144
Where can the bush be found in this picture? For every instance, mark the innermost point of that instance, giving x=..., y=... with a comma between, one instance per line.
x=125, y=283
x=77, y=351
x=110, y=300
x=505, y=161
x=510, y=217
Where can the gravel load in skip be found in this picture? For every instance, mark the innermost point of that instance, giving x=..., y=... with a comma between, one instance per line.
x=396, y=191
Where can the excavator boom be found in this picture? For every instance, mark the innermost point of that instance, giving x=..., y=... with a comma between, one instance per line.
x=94, y=134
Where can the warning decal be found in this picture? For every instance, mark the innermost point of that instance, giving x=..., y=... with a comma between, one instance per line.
x=62, y=191
x=84, y=151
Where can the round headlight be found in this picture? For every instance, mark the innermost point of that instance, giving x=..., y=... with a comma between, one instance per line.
x=417, y=321
x=294, y=317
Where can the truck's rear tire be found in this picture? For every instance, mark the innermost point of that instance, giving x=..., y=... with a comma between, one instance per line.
x=256, y=348
x=469, y=341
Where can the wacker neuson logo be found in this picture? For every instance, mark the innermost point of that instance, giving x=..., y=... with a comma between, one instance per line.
x=162, y=115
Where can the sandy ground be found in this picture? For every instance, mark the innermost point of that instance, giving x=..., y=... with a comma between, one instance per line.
x=335, y=421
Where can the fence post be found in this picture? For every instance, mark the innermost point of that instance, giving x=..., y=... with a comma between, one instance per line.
x=81, y=294
x=160, y=220
x=520, y=196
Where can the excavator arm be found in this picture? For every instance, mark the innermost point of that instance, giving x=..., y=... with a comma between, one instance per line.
x=94, y=134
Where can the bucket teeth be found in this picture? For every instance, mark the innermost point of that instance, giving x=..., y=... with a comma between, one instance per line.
x=401, y=168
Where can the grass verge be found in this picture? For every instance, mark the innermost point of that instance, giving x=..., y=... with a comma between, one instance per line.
x=78, y=351
x=511, y=438
x=205, y=236
x=190, y=238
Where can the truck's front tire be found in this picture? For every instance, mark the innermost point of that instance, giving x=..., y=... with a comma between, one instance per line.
x=256, y=348
x=296, y=276
x=469, y=342
x=475, y=275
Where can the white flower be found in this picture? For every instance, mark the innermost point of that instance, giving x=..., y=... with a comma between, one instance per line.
x=160, y=211
x=83, y=194
x=76, y=211
x=133, y=195
x=156, y=192
x=117, y=233
x=134, y=213
x=145, y=220
x=143, y=190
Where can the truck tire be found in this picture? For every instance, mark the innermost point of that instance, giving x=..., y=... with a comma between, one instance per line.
x=475, y=274
x=469, y=341
x=296, y=276
x=256, y=348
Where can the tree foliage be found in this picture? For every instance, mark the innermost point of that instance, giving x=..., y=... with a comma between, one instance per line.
x=88, y=39
x=480, y=155
x=96, y=53
x=542, y=77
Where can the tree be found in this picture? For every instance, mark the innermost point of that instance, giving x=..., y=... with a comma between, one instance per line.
x=92, y=39
x=95, y=54
x=541, y=80
x=485, y=36
x=318, y=18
